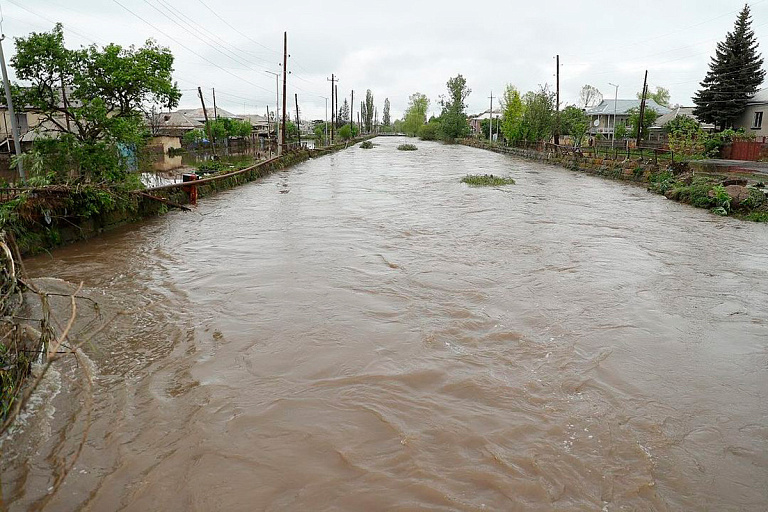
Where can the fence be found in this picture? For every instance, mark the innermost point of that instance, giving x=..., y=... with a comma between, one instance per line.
x=653, y=153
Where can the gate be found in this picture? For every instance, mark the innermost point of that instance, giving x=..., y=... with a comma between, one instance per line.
x=745, y=150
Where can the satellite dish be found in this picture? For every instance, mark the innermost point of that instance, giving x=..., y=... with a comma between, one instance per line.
x=596, y=123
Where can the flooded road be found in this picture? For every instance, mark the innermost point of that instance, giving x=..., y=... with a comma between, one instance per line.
x=364, y=332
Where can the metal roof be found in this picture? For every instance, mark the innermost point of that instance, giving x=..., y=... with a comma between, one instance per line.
x=623, y=106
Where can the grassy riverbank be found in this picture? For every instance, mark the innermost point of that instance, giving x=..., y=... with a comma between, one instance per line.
x=723, y=194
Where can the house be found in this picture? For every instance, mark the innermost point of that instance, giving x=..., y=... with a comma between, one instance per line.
x=657, y=131
x=753, y=119
x=174, y=124
x=476, y=120
x=261, y=125
x=602, y=116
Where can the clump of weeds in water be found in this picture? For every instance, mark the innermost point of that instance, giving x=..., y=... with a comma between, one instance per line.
x=407, y=147
x=366, y=145
x=486, y=180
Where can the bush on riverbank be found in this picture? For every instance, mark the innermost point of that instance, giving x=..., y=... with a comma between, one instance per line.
x=407, y=147
x=710, y=192
x=486, y=180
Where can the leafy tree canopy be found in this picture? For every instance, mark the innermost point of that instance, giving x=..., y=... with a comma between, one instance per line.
x=649, y=117
x=661, y=96
x=589, y=96
x=574, y=122
x=453, y=119
x=94, y=97
x=415, y=114
x=512, y=114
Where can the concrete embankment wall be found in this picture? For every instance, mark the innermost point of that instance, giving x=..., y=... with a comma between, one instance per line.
x=627, y=170
x=52, y=223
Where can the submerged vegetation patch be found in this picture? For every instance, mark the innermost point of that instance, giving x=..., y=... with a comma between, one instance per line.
x=486, y=180
x=366, y=145
x=407, y=147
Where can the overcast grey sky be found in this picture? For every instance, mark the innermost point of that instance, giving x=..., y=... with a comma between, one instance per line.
x=396, y=48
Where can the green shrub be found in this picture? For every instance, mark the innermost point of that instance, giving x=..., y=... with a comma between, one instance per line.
x=366, y=145
x=407, y=147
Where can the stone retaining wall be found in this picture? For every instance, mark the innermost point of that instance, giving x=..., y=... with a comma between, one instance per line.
x=627, y=170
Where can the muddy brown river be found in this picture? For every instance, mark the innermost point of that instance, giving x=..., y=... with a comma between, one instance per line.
x=363, y=332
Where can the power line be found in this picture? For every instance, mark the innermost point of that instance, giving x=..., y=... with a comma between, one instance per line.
x=190, y=50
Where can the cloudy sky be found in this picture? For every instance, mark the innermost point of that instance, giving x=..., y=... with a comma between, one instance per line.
x=396, y=48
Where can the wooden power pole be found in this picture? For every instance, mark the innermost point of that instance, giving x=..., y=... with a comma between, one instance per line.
x=298, y=121
x=215, y=110
x=207, y=124
x=333, y=108
x=642, y=111
x=557, y=104
x=285, y=79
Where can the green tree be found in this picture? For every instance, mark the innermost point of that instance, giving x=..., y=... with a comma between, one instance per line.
x=735, y=73
x=385, y=119
x=589, y=96
x=686, y=136
x=649, y=118
x=345, y=132
x=620, y=132
x=343, y=117
x=538, y=114
x=291, y=132
x=512, y=113
x=681, y=123
x=453, y=119
x=661, y=96
x=415, y=114
x=110, y=92
x=369, y=108
x=574, y=122
x=431, y=131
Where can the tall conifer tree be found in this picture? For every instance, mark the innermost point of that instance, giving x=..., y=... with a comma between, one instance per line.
x=735, y=73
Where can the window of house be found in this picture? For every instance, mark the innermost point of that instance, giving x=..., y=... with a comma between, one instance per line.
x=758, y=122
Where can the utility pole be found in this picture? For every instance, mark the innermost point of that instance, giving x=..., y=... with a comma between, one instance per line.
x=215, y=110
x=490, y=120
x=285, y=78
x=269, y=130
x=207, y=124
x=352, y=111
x=642, y=111
x=14, y=123
x=557, y=104
x=277, y=109
x=298, y=122
x=615, y=102
x=333, y=108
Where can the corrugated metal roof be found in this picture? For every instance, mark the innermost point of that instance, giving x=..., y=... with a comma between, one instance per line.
x=623, y=106
x=760, y=96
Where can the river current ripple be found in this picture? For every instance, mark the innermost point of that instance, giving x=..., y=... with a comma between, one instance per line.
x=364, y=332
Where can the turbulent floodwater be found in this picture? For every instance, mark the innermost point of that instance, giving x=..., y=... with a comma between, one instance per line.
x=364, y=332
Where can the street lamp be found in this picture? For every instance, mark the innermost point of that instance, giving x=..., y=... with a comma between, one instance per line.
x=326, y=119
x=615, y=100
x=277, y=110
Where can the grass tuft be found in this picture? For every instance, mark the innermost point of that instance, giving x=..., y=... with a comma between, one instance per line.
x=486, y=180
x=407, y=147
